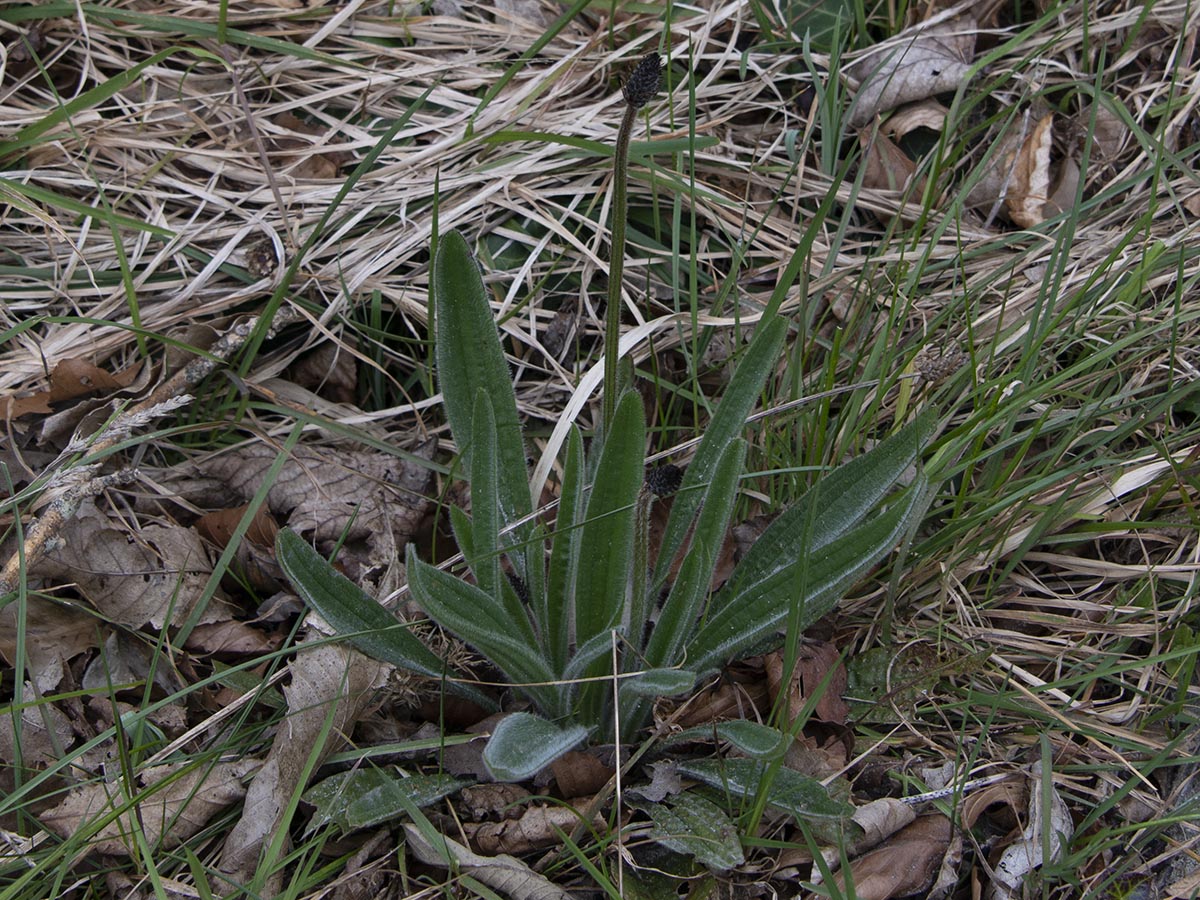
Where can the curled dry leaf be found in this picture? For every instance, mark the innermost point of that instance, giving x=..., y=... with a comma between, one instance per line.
x=877, y=821
x=537, y=827
x=1029, y=190
x=70, y=379
x=493, y=802
x=171, y=806
x=920, y=62
x=1049, y=824
x=907, y=119
x=906, y=864
x=329, y=370
x=506, y=874
x=580, y=774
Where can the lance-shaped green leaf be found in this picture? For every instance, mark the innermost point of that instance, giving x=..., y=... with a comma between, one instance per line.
x=606, y=542
x=697, y=827
x=678, y=619
x=814, y=581
x=485, y=498
x=726, y=425
x=364, y=798
x=788, y=790
x=839, y=501
x=522, y=745
x=469, y=359
x=564, y=556
x=659, y=683
x=483, y=622
x=352, y=613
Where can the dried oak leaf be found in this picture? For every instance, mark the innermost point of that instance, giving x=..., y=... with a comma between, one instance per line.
x=171, y=807
x=153, y=575
x=919, y=62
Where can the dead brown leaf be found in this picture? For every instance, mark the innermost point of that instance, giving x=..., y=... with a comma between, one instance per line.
x=814, y=662
x=154, y=575
x=503, y=873
x=173, y=803
x=54, y=634
x=905, y=865
x=493, y=802
x=330, y=370
x=305, y=158
x=877, y=821
x=918, y=63
x=70, y=379
x=537, y=827
x=580, y=774
x=374, y=501
x=329, y=681
x=907, y=119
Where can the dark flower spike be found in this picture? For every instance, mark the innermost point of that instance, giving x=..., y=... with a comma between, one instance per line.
x=662, y=481
x=643, y=83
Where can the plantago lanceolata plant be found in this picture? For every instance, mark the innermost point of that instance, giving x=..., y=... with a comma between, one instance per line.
x=546, y=607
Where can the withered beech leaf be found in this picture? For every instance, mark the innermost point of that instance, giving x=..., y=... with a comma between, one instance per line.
x=905, y=865
x=1029, y=190
x=919, y=62
x=169, y=811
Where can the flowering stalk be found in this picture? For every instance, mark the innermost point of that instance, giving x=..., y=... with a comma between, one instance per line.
x=638, y=91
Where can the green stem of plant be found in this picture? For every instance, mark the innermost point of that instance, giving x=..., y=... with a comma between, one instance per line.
x=616, y=264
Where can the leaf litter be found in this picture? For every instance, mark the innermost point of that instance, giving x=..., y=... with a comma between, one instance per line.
x=153, y=559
